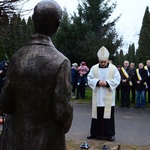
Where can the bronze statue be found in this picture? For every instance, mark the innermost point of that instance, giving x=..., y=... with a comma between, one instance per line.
x=36, y=94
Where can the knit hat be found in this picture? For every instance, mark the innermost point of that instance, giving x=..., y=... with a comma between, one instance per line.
x=83, y=63
x=75, y=64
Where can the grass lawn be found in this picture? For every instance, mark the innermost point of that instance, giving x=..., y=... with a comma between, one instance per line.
x=88, y=98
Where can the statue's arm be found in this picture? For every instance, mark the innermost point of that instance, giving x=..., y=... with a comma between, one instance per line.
x=63, y=111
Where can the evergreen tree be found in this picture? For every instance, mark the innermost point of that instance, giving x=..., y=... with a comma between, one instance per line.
x=98, y=31
x=10, y=11
x=117, y=59
x=143, y=52
x=30, y=28
x=131, y=53
x=122, y=57
x=64, y=39
x=88, y=30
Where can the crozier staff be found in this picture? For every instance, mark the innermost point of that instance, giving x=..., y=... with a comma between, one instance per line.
x=103, y=78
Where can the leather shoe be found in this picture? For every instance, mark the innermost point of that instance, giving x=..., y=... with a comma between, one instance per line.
x=90, y=137
x=112, y=138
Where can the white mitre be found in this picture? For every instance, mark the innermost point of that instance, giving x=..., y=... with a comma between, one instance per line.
x=103, y=53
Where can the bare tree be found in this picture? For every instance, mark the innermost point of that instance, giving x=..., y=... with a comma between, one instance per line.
x=9, y=8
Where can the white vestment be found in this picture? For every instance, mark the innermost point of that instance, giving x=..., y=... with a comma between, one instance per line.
x=100, y=94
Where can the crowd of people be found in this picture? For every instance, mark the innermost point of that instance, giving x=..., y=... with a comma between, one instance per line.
x=134, y=86
x=106, y=80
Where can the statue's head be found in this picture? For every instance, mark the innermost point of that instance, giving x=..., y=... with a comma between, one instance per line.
x=46, y=17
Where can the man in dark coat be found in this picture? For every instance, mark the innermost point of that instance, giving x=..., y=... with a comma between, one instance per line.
x=147, y=67
x=126, y=78
x=37, y=89
x=140, y=76
x=132, y=67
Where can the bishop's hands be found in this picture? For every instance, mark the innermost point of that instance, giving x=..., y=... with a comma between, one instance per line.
x=102, y=83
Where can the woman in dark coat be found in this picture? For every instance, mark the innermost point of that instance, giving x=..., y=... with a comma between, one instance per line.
x=74, y=78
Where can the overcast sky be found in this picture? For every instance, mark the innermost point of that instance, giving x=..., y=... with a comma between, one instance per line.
x=129, y=24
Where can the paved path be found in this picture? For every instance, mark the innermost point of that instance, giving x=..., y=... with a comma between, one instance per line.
x=132, y=125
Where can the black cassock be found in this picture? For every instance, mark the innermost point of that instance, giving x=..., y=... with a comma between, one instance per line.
x=103, y=128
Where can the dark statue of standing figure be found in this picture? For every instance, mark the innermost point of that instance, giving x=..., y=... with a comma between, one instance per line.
x=36, y=94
